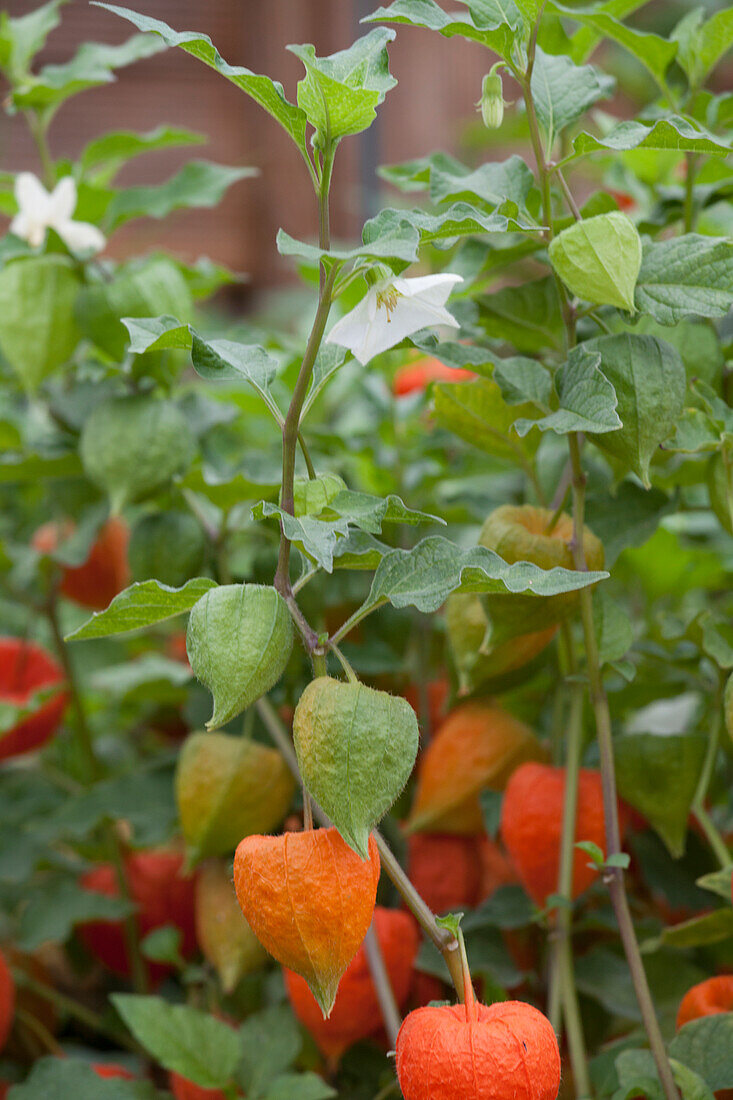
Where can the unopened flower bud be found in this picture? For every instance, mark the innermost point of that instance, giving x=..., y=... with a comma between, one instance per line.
x=491, y=103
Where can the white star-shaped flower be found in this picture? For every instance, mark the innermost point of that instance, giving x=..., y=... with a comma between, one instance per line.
x=40, y=210
x=392, y=309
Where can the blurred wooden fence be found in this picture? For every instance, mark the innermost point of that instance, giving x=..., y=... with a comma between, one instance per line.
x=439, y=83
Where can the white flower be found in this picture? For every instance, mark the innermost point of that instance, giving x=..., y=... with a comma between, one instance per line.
x=40, y=210
x=391, y=310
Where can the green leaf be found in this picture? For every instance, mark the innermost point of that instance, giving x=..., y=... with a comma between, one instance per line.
x=654, y=52
x=527, y=316
x=330, y=358
x=614, y=632
x=340, y=93
x=563, y=92
x=54, y=1078
x=637, y=1074
x=93, y=64
x=686, y=275
x=586, y=399
x=425, y=576
x=226, y=360
x=706, y=1046
x=599, y=259
x=143, y=798
x=262, y=89
x=356, y=749
x=24, y=468
x=104, y=156
x=22, y=38
x=319, y=537
x=182, y=1039
x=628, y=518
x=299, y=1086
x=459, y=220
x=155, y=286
x=476, y=411
x=666, y=133
x=38, y=332
x=710, y=928
x=239, y=640
x=658, y=775
x=493, y=24
x=55, y=904
x=398, y=241
x=142, y=604
x=649, y=379
x=492, y=183
x=702, y=43
x=718, y=882
x=198, y=184
x=270, y=1043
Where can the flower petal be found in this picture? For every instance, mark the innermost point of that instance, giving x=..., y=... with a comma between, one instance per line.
x=32, y=197
x=81, y=236
x=63, y=201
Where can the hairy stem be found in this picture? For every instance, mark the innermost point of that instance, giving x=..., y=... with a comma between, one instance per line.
x=715, y=840
x=385, y=994
x=38, y=132
x=563, y=985
x=614, y=876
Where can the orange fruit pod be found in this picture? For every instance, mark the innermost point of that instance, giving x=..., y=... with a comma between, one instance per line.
x=26, y=668
x=707, y=998
x=531, y=827
x=479, y=745
x=506, y=1051
x=183, y=1089
x=162, y=896
x=418, y=375
x=309, y=899
x=7, y=1000
x=356, y=1013
x=445, y=870
x=105, y=572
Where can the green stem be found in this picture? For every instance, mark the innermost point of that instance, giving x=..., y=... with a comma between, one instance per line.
x=446, y=943
x=690, y=213
x=83, y=733
x=40, y=136
x=614, y=876
x=292, y=426
x=714, y=838
x=70, y=1007
x=350, y=674
x=563, y=988
x=385, y=994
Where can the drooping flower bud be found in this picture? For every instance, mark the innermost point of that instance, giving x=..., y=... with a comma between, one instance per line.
x=492, y=103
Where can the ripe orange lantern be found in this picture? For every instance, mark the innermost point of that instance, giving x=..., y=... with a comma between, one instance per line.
x=162, y=896
x=531, y=827
x=7, y=1000
x=110, y=1070
x=105, y=572
x=26, y=668
x=309, y=899
x=183, y=1089
x=506, y=1051
x=707, y=998
x=356, y=1014
x=445, y=870
x=479, y=745
x=420, y=373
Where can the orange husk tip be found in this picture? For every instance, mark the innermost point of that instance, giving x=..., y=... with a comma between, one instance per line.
x=707, y=998
x=356, y=1013
x=479, y=745
x=309, y=899
x=504, y=1051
